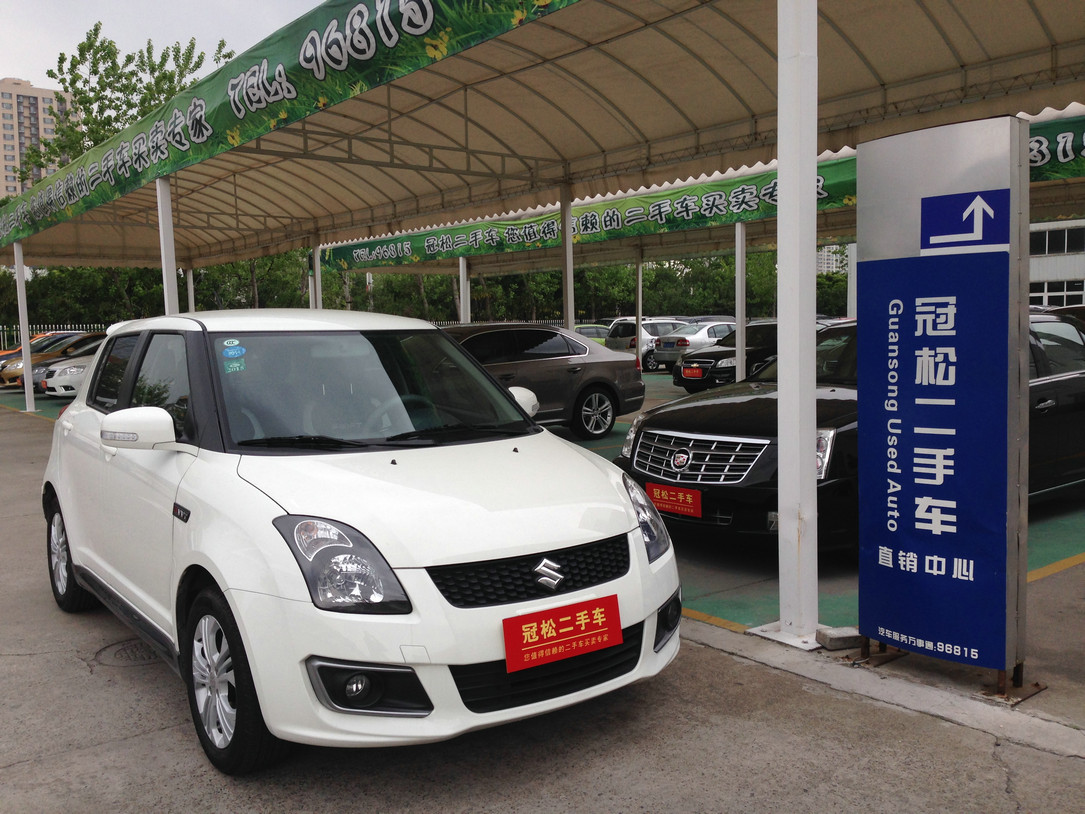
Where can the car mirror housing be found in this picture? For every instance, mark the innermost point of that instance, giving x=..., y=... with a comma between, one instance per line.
x=527, y=400
x=138, y=428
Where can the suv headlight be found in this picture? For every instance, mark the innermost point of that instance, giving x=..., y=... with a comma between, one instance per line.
x=627, y=445
x=657, y=540
x=342, y=568
x=825, y=449
x=730, y=361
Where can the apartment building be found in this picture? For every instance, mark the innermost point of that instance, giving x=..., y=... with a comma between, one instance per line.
x=26, y=118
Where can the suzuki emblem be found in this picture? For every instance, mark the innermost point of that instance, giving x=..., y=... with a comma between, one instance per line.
x=549, y=574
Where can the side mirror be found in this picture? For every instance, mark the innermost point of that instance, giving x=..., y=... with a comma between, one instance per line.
x=527, y=400
x=138, y=428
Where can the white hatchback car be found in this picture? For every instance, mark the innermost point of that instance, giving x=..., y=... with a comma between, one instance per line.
x=340, y=530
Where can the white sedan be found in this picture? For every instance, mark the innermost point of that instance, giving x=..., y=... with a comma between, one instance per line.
x=63, y=379
x=340, y=530
x=670, y=347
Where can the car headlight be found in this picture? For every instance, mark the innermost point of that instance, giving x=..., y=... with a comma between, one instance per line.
x=342, y=568
x=40, y=371
x=74, y=370
x=728, y=362
x=825, y=449
x=657, y=540
x=13, y=366
x=627, y=445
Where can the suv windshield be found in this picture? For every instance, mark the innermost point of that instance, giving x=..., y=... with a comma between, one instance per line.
x=342, y=390
x=834, y=355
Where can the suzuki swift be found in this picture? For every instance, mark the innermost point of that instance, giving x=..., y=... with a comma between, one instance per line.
x=340, y=530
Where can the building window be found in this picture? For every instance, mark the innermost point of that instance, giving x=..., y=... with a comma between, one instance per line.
x=1057, y=292
x=1057, y=241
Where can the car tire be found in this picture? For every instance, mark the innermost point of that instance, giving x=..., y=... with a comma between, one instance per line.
x=221, y=694
x=594, y=413
x=649, y=362
x=70, y=596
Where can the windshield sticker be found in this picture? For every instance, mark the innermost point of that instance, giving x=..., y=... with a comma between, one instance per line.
x=233, y=366
x=234, y=352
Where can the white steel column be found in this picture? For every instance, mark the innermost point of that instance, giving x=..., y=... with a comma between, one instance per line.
x=316, y=300
x=24, y=329
x=165, y=242
x=740, y=300
x=798, y=88
x=568, y=307
x=639, y=307
x=190, y=287
x=465, y=293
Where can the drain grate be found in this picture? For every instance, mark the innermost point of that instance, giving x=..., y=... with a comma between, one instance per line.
x=129, y=653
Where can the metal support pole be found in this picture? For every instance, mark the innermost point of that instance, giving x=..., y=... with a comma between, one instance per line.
x=190, y=287
x=317, y=300
x=569, y=306
x=639, y=307
x=166, y=244
x=465, y=293
x=24, y=329
x=797, y=501
x=740, y=301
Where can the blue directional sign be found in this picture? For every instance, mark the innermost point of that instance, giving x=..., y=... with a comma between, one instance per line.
x=965, y=222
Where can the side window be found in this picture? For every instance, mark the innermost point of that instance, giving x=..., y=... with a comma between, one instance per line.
x=1063, y=346
x=491, y=347
x=162, y=380
x=107, y=385
x=539, y=344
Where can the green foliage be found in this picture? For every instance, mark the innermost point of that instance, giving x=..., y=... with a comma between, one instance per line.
x=832, y=293
x=108, y=90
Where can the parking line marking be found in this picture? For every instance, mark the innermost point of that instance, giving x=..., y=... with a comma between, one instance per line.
x=1056, y=567
x=713, y=620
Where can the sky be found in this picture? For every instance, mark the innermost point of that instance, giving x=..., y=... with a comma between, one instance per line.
x=35, y=32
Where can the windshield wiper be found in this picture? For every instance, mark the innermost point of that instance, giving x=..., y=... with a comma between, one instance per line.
x=447, y=429
x=303, y=442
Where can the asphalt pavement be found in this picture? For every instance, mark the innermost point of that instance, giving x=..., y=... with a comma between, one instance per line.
x=91, y=721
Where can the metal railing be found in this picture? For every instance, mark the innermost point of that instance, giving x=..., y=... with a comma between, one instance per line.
x=9, y=334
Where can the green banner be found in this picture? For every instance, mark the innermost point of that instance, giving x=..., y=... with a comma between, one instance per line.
x=335, y=52
x=675, y=209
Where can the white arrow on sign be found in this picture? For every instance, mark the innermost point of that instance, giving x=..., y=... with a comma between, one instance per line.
x=976, y=209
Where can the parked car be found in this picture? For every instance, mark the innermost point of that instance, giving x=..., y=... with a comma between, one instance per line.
x=86, y=346
x=11, y=371
x=623, y=331
x=38, y=343
x=595, y=332
x=578, y=383
x=63, y=379
x=714, y=365
x=339, y=530
x=669, y=348
x=710, y=459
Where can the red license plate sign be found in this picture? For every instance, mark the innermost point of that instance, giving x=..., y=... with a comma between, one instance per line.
x=674, y=499
x=561, y=633
x=693, y=373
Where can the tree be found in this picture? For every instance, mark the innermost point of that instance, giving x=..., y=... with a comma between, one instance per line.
x=107, y=91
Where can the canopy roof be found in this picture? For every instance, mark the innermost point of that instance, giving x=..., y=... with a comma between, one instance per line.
x=449, y=112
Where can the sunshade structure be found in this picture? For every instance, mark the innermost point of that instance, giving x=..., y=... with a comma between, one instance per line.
x=346, y=125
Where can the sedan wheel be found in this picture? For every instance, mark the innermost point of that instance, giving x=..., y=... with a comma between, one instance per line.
x=70, y=596
x=649, y=361
x=221, y=694
x=594, y=414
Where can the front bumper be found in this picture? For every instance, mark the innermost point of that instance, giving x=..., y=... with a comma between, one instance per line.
x=449, y=649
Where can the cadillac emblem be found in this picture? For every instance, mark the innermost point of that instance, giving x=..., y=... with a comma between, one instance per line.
x=681, y=459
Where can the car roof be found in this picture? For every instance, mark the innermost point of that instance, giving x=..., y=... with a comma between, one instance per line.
x=275, y=319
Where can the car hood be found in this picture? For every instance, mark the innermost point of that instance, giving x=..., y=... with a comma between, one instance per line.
x=747, y=408
x=447, y=504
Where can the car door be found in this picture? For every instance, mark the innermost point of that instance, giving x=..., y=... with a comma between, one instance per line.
x=1056, y=405
x=137, y=554
x=81, y=487
x=545, y=364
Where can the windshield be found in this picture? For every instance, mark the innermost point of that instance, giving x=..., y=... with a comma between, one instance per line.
x=834, y=356
x=326, y=390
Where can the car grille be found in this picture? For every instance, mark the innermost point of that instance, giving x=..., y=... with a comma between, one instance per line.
x=514, y=579
x=713, y=459
x=488, y=687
